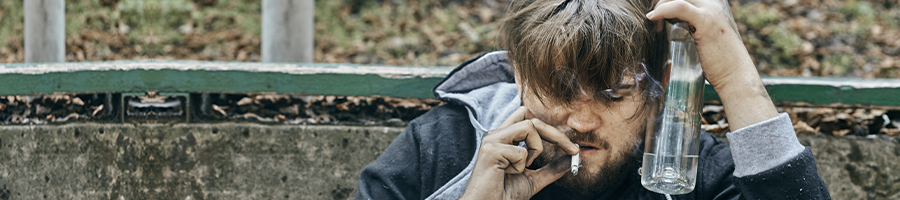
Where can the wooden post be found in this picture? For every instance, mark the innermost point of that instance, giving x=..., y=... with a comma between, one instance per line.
x=287, y=30
x=45, y=31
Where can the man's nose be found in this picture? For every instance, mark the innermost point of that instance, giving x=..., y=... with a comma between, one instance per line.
x=583, y=120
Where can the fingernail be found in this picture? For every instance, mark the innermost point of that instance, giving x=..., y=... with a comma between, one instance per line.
x=576, y=148
x=649, y=15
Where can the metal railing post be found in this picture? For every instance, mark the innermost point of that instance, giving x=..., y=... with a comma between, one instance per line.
x=287, y=30
x=45, y=31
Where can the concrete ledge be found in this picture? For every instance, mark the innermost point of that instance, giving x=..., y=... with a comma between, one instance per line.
x=857, y=167
x=186, y=161
x=254, y=161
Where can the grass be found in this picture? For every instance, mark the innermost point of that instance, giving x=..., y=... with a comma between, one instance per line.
x=860, y=12
x=12, y=21
x=784, y=45
x=428, y=32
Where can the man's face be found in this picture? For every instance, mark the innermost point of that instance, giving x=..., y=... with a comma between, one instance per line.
x=607, y=131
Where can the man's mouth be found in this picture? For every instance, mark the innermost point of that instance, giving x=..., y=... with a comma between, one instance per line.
x=587, y=147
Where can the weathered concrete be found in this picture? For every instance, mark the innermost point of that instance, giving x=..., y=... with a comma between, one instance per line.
x=45, y=31
x=186, y=161
x=857, y=168
x=287, y=30
x=252, y=161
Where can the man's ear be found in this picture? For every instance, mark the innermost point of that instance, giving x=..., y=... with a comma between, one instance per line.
x=517, y=79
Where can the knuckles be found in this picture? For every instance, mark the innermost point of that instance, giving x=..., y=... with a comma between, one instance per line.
x=489, y=146
x=493, y=148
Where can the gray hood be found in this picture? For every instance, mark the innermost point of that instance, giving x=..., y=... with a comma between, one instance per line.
x=486, y=86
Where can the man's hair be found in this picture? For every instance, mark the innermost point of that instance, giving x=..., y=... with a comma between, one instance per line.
x=560, y=47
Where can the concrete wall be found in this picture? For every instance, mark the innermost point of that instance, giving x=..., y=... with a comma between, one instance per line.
x=857, y=168
x=186, y=161
x=252, y=161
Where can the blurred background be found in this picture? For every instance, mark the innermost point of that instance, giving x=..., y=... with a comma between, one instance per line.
x=134, y=151
x=854, y=38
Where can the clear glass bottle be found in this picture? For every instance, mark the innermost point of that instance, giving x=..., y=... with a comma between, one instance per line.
x=673, y=121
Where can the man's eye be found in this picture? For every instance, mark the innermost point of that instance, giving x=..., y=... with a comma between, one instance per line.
x=616, y=95
x=615, y=100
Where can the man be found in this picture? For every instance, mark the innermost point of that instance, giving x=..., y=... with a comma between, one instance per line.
x=575, y=74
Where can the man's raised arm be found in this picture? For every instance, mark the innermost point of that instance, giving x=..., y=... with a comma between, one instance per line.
x=770, y=163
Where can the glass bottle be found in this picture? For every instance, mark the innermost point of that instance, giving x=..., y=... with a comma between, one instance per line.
x=673, y=121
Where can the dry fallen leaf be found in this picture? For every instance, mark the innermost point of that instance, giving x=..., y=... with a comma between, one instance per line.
x=271, y=98
x=841, y=132
x=803, y=128
x=97, y=110
x=251, y=115
x=220, y=109
x=16, y=118
x=25, y=99
x=715, y=128
x=56, y=98
x=72, y=116
x=891, y=132
x=343, y=106
x=77, y=101
x=245, y=101
x=329, y=100
x=40, y=110
x=290, y=110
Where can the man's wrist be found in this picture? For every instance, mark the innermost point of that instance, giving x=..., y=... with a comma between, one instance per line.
x=743, y=94
x=725, y=59
x=746, y=100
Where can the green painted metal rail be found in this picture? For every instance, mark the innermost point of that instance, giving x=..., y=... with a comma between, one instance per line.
x=822, y=91
x=348, y=79
x=224, y=77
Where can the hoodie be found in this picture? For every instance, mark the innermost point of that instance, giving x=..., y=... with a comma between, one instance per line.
x=434, y=156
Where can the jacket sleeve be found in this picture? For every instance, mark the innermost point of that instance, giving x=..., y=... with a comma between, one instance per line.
x=770, y=163
x=795, y=179
x=433, y=149
x=395, y=174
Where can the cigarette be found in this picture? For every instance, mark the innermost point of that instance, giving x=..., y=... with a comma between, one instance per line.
x=576, y=162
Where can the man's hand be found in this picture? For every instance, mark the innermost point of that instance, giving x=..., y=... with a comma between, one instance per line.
x=500, y=172
x=726, y=62
x=717, y=39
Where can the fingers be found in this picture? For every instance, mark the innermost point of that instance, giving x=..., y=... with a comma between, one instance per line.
x=675, y=9
x=516, y=116
x=535, y=146
x=556, y=169
x=521, y=131
x=532, y=131
x=552, y=135
x=508, y=158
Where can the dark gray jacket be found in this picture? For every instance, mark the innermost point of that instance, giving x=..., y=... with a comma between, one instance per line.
x=433, y=158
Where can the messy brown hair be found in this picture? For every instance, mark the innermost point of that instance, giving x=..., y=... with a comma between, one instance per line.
x=560, y=47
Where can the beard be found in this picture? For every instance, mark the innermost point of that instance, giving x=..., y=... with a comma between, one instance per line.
x=612, y=171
